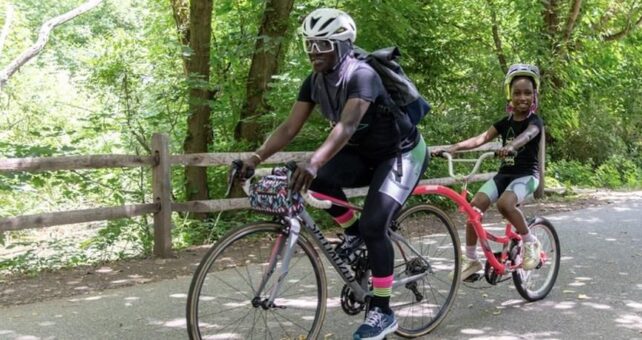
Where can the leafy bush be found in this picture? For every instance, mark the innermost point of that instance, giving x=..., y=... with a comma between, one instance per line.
x=618, y=172
x=571, y=173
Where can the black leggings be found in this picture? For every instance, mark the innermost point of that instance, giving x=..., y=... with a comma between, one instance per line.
x=349, y=170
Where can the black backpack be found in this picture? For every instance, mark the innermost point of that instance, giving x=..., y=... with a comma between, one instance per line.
x=401, y=89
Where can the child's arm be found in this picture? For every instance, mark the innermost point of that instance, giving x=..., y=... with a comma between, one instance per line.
x=476, y=141
x=531, y=131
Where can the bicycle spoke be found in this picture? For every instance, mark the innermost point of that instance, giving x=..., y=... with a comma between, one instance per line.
x=224, y=306
x=275, y=313
x=435, y=244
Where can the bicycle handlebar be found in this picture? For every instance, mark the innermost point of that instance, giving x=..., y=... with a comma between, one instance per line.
x=475, y=169
x=291, y=166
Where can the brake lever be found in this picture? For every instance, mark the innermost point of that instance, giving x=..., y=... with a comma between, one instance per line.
x=236, y=166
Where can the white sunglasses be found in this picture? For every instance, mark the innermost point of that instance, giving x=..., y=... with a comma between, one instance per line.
x=321, y=45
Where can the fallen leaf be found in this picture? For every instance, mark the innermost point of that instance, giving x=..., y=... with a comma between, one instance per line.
x=583, y=297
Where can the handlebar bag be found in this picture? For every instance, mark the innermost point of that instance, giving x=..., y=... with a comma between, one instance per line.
x=271, y=195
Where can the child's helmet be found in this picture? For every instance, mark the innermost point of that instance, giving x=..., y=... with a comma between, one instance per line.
x=329, y=23
x=524, y=70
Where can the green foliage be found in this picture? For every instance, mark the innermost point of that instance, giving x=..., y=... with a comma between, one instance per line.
x=571, y=173
x=619, y=172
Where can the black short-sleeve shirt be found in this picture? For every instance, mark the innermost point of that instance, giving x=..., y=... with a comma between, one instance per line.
x=377, y=136
x=526, y=162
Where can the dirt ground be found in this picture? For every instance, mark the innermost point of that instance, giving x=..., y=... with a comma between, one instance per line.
x=18, y=289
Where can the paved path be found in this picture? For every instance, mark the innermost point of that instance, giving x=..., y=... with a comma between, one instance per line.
x=598, y=295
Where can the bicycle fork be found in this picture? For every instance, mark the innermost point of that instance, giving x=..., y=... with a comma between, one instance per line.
x=285, y=248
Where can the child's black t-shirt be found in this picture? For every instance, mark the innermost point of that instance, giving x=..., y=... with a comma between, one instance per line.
x=526, y=162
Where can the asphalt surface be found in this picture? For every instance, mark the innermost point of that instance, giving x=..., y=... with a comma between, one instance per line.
x=598, y=295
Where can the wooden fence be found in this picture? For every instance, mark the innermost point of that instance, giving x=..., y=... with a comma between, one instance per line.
x=162, y=206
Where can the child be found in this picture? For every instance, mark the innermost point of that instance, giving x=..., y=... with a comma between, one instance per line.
x=520, y=132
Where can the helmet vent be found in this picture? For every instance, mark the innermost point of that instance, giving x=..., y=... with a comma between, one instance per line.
x=325, y=24
x=313, y=22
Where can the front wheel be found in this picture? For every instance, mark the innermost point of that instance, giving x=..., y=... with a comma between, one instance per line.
x=535, y=284
x=229, y=291
x=429, y=249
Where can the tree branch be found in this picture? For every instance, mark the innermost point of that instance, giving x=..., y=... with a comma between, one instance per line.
x=496, y=38
x=624, y=32
x=180, y=11
x=7, y=25
x=572, y=18
x=604, y=20
x=43, y=37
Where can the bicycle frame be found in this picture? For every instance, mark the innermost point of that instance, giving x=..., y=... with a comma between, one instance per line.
x=359, y=289
x=474, y=218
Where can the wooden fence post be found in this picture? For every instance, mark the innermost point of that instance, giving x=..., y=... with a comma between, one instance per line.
x=162, y=188
x=539, y=193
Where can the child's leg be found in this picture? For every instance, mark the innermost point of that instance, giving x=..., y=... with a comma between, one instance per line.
x=515, y=193
x=507, y=206
x=482, y=202
x=487, y=195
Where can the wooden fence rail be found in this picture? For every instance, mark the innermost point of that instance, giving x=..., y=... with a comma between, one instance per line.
x=160, y=162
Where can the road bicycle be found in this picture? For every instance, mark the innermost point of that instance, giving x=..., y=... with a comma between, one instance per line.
x=532, y=285
x=268, y=279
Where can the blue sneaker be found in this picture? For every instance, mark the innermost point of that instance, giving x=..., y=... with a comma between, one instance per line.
x=376, y=326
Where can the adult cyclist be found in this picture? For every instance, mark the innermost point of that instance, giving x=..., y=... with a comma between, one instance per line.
x=367, y=146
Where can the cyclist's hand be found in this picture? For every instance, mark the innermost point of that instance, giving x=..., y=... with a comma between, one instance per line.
x=506, y=151
x=247, y=167
x=436, y=152
x=439, y=152
x=303, y=175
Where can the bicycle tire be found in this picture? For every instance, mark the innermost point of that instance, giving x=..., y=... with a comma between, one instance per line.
x=527, y=282
x=220, y=299
x=433, y=234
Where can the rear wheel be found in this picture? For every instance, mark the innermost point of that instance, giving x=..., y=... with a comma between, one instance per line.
x=535, y=284
x=224, y=300
x=422, y=304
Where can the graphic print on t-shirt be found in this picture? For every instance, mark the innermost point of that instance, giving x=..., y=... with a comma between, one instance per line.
x=510, y=136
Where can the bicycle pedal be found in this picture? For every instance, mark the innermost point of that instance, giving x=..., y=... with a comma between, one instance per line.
x=473, y=278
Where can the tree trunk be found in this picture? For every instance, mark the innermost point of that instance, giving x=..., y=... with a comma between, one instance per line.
x=268, y=52
x=199, y=127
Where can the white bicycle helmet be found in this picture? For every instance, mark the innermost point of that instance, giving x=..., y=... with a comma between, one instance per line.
x=516, y=70
x=329, y=23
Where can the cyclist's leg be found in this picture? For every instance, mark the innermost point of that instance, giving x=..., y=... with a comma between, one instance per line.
x=346, y=169
x=482, y=200
x=387, y=193
x=515, y=193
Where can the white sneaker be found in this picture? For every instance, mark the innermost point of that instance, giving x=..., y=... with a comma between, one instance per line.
x=468, y=268
x=531, y=255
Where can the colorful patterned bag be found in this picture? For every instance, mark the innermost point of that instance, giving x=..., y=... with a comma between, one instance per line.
x=271, y=195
